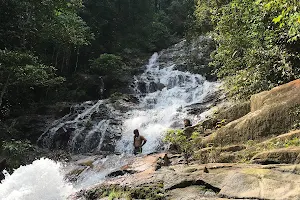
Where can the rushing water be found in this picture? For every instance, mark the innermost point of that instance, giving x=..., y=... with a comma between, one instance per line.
x=41, y=180
x=159, y=110
x=163, y=93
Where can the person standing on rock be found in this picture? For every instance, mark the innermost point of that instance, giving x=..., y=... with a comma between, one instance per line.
x=138, y=142
x=187, y=123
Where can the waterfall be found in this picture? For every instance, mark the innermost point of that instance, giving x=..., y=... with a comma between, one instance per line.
x=165, y=96
x=87, y=128
x=164, y=93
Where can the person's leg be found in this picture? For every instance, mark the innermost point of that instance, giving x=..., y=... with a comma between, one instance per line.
x=140, y=150
x=135, y=151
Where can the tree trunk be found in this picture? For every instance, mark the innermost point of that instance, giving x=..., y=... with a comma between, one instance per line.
x=77, y=54
x=4, y=90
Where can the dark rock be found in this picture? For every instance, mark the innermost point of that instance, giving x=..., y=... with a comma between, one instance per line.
x=58, y=110
x=152, y=87
x=3, y=166
x=120, y=173
x=61, y=138
x=160, y=86
x=196, y=109
x=63, y=108
x=233, y=148
x=209, y=123
x=131, y=98
x=205, y=170
x=142, y=87
x=162, y=161
x=30, y=126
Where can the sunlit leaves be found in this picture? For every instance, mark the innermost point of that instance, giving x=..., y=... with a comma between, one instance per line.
x=286, y=13
x=252, y=38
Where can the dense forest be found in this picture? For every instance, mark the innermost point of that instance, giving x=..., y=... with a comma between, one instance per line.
x=257, y=42
x=51, y=50
x=46, y=44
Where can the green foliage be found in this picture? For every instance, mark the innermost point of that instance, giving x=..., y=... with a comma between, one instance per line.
x=16, y=152
x=46, y=27
x=108, y=65
x=295, y=114
x=285, y=14
x=114, y=195
x=253, y=147
x=154, y=192
x=184, y=144
x=16, y=148
x=221, y=123
x=144, y=25
x=23, y=71
x=253, y=53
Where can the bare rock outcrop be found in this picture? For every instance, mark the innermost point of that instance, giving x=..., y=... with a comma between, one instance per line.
x=271, y=114
x=224, y=181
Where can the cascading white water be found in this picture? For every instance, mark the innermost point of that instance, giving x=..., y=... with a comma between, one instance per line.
x=41, y=180
x=109, y=164
x=84, y=129
x=163, y=93
x=162, y=109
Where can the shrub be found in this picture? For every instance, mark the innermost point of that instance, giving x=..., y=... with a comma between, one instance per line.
x=184, y=144
x=16, y=152
x=108, y=65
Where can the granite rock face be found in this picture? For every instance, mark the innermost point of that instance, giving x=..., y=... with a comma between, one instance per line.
x=271, y=114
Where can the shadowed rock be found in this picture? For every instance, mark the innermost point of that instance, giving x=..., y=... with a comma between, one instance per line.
x=3, y=166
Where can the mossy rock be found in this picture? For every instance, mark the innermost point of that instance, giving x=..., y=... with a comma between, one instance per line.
x=270, y=116
x=278, y=156
x=233, y=112
x=223, y=116
x=155, y=192
x=88, y=163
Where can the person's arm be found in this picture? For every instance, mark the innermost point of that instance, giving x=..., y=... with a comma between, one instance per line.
x=144, y=141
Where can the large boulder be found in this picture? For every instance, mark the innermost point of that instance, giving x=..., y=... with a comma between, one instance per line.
x=270, y=115
x=278, y=156
x=233, y=112
x=260, y=183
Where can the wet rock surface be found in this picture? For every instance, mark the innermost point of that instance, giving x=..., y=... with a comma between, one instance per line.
x=89, y=127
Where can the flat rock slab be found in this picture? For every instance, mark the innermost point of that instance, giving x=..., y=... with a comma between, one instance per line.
x=219, y=181
x=192, y=193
